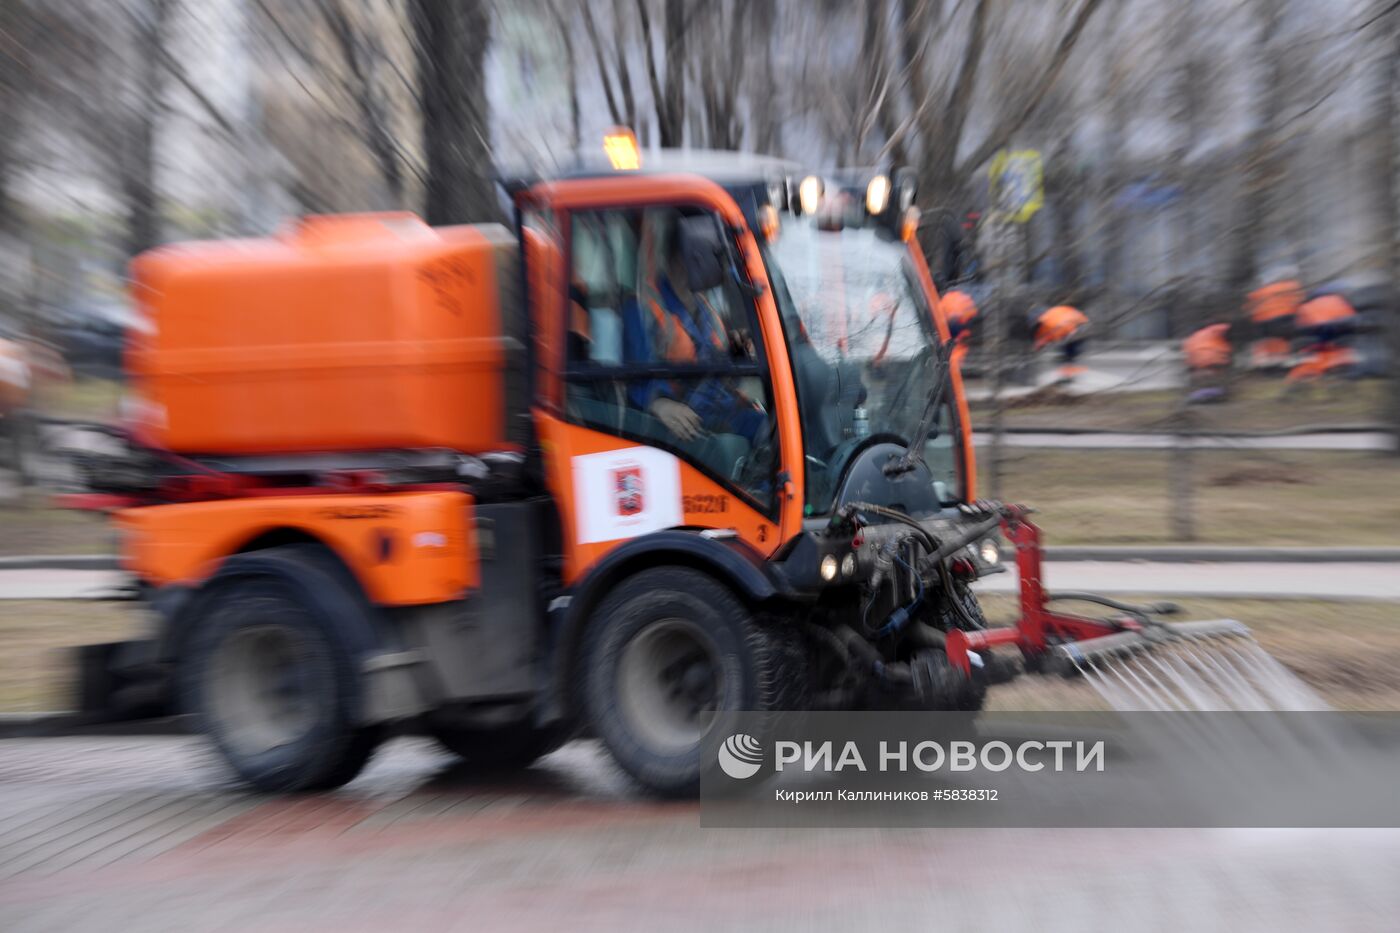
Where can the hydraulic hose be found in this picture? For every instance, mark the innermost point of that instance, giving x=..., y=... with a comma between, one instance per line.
x=930, y=542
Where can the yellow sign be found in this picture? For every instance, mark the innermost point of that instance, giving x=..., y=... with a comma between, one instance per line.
x=1017, y=184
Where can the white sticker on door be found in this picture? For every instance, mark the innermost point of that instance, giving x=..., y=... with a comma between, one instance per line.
x=626, y=493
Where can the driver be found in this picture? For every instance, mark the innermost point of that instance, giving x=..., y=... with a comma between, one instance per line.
x=672, y=321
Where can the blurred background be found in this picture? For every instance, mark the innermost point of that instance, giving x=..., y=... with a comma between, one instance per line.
x=1213, y=184
x=1166, y=165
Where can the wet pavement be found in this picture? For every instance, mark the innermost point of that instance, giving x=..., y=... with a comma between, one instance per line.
x=137, y=834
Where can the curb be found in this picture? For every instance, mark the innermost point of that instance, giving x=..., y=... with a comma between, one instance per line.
x=54, y=725
x=1163, y=554
x=1360, y=428
x=61, y=562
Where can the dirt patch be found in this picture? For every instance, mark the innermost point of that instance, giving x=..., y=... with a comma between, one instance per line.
x=1279, y=498
x=36, y=667
x=1047, y=397
x=1261, y=474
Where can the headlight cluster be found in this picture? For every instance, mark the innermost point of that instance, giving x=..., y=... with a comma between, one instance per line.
x=831, y=566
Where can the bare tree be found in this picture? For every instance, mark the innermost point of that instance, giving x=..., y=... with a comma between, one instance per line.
x=563, y=24
x=450, y=41
x=668, y=96
x=939, y=107
x=366, y=65
x=1384, y=91
x=136, y=152
x=355, y=86
x=614, y=67
x=1263, y=168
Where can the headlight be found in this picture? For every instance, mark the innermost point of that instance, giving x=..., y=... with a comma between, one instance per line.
x=829, y=567
x=848, y=565
x=989, y=551
x=809, y=194
x=877, y=195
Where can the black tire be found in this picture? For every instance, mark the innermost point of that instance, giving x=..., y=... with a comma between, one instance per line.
x=502, y=748
x=973, y=695
x=256, y=634
x=751, y=666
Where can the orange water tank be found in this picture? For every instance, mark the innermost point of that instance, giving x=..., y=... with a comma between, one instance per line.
x=358, y=332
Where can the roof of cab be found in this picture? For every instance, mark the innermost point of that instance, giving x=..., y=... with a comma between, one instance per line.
x=722, y=167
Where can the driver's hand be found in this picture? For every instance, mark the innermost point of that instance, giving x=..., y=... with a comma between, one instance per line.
x=678, y=417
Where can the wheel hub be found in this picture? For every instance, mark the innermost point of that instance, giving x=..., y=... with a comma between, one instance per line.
x=263, y=688
x=670, y=684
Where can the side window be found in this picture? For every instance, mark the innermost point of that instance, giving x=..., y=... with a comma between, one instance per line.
x=663, y=343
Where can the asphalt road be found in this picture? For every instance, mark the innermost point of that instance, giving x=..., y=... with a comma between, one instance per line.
x=121, y=834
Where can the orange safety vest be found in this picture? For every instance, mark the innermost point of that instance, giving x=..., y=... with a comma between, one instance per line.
x=1208, y=347
x=1275, y=300
x=675, y=343
x=1324, y=309
x=1058, y=323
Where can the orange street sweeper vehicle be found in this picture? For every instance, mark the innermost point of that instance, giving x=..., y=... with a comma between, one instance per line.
x=667, y=450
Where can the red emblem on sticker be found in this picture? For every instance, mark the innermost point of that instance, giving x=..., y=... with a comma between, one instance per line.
x=627, y=486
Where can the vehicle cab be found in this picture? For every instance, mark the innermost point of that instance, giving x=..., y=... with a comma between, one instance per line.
x=726, y=345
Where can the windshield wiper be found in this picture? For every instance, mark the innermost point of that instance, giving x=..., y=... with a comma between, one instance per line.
x=943, y=354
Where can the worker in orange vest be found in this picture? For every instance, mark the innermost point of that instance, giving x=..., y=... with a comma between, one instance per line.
x=1271, y=308
x=1323, y=322
x=959, y=310
x=1208, y=353
x=1062, y=326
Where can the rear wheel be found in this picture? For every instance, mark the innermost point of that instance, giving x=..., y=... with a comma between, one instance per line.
x=669, y=658
x=274, y=684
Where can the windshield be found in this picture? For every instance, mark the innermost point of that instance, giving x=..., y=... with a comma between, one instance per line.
x=862, y=345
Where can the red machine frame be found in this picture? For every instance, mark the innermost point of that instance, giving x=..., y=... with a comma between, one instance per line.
x=1038, y=624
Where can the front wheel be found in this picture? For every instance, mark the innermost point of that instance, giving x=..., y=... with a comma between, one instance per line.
x=669, y=658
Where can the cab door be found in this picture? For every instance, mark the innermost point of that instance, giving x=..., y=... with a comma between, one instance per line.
x=675, y=407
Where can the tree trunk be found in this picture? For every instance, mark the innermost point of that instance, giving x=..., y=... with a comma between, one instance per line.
x=450, y=41
x=1181, y=484
x=674, y=98
x=767, y=136
x=1111, y=178
x=137, y=162
x=1387, y=125
x=1263, y=168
